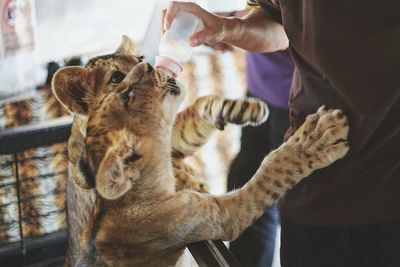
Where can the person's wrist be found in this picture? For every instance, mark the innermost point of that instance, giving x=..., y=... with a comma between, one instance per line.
x=233, y=30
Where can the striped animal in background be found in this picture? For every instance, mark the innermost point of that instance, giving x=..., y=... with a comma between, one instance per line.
x=42, y=171
x=18, y=114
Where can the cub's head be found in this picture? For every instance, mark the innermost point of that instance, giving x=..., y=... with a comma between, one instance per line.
x=130, y=108
x=78, y=87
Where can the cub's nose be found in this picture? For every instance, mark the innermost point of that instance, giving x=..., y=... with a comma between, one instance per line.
x=138, y=72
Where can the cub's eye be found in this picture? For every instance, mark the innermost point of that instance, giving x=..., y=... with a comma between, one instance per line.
x=117, y=77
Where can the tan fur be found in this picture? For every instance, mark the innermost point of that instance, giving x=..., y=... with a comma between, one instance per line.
x=80, y=198
x=132, y=154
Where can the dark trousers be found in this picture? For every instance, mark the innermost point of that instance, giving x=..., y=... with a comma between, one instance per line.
x=371, y=245
x=255, y=247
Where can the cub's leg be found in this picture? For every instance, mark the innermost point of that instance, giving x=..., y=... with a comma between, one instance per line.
x=320, y=141
x=194, y=126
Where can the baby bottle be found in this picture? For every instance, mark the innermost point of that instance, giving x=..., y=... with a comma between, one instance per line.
x=174, y=48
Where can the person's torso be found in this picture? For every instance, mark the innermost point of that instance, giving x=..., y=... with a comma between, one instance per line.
x=347, y=56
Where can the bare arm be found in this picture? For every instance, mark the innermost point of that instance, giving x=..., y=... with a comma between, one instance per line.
x=254, y=32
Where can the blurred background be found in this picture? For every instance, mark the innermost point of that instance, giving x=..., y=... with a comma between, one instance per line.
x=53, y=30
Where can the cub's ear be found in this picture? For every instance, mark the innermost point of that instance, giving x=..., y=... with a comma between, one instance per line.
x=127, y=46
x=121, y=165
x=69, y=87
x=111, y=182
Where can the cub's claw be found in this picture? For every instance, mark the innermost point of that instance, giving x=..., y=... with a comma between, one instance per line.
x=322, y=139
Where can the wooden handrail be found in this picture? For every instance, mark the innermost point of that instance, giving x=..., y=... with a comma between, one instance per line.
x=13, y=140
x=212, y=253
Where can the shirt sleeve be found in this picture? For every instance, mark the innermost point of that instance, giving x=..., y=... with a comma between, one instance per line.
x=272, y=10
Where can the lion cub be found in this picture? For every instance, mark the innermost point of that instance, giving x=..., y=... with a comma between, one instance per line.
x=131, y=156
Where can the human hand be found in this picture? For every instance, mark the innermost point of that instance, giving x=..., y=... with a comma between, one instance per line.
x=214, y=31
x=220, y=46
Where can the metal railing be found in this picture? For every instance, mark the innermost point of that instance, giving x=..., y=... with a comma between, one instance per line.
x=49, y=249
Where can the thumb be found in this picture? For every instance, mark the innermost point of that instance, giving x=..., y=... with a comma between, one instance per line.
x=199, y=38
x=162, y=27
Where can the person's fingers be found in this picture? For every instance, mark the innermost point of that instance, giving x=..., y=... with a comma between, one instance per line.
x=199, y=38
x=229, y=47
x=169, y=15
x=174, y=7
x=222, y=47
x=219, y=46
x=162, y=22
x=226, y=47
x=204, y=36
x=193, y=8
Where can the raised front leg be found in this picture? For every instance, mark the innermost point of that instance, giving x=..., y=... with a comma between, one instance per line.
x=194, y=125
x=320, y=141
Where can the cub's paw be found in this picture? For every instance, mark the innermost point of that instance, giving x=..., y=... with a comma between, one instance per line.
x=185, y=181
x=322, y=139
x=187, y=177
x=192, y=184
x=220, y=111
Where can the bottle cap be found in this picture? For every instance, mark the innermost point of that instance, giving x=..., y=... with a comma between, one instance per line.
x=168, y=64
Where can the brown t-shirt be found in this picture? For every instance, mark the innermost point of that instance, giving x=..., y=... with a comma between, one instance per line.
x=347, y=56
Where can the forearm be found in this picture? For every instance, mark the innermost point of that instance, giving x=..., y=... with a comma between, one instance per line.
x=320, y=141
x=255, y=32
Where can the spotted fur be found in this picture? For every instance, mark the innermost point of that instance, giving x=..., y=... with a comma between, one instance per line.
x=127, y=147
